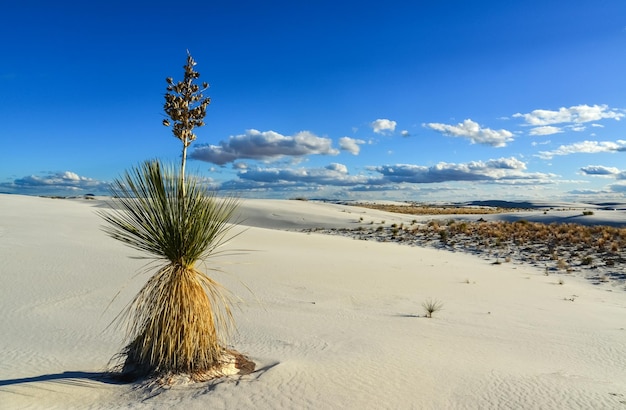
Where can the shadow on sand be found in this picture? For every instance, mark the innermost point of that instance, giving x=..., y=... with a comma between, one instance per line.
x=102, y=377
x=69, y=376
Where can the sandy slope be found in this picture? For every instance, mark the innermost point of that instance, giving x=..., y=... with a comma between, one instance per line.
x=332, y=323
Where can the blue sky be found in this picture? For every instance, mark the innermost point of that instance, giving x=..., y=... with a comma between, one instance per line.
x=413, y=100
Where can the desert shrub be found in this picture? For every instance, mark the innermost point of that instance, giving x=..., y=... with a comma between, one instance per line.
x=431, y=306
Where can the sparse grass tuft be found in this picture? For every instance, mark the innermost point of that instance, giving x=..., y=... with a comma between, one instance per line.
x=431, y=306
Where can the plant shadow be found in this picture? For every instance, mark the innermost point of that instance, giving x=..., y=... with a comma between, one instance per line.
x=68, y=376
x=78, y=377
x=407, y=315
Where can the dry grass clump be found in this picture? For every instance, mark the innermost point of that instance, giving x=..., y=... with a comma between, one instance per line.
x=434, y=210
x=523, y=232
x=565, y=247
x=566, y=244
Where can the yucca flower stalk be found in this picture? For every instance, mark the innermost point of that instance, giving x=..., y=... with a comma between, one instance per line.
x=179, y=321
x=186, y=108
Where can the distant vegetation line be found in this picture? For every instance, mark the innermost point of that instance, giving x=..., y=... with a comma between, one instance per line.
x=435, y=210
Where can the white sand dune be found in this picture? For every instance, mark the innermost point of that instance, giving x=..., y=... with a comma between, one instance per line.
x=332, y=322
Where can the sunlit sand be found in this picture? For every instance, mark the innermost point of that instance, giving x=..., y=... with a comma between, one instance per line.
x=330, y=321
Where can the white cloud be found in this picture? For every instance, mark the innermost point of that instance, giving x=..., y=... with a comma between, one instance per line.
x=472, y=130
x=545, y=130
x=602, y=171
x=381, y=126
x=56, y=183
x=495, y=170
x=340, y=168
x=267, y=145
x=503, y=170
x=351, y=145
x=405, y=133
x=535, y=143
x=599, y=170
x=585, y=147
x=575, y=114
x=387, y=177
x=334, y=174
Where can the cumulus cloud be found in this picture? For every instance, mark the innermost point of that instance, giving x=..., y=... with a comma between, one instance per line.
x=545, y=130
x=333, y=174
x=266, y=145
x=381, y=126
x=472, y=130
x=351, y=145
x=576, y=114
x=599, y=170
x=55, y=183
x=340, y=168
x=503, y=169
x=602, y=171
x=405, y=133
x=585, y=147
x=509, y=171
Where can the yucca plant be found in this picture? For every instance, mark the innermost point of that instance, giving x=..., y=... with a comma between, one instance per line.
x=179, y=321
x=431, y=306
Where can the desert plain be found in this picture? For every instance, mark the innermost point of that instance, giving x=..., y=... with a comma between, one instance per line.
x=330, y=320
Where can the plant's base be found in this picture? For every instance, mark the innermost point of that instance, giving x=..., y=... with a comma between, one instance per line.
x=232, y=363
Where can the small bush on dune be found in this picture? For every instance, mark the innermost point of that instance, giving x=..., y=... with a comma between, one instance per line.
x=431, y=306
